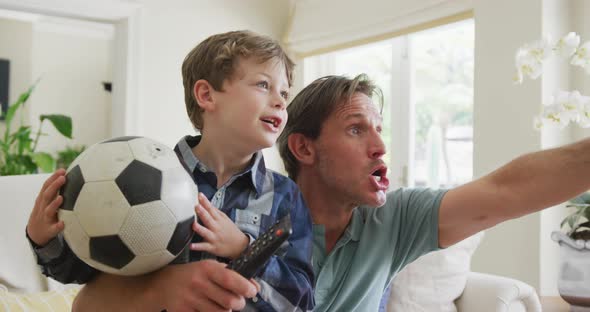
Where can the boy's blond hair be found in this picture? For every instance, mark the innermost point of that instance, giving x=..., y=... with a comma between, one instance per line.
x=216, y=59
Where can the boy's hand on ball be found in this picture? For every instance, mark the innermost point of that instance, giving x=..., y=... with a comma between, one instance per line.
x=221, y=236
x=43, y=223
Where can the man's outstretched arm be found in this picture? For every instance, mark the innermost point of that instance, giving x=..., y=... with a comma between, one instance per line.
x=198, y=286
x=527, y=184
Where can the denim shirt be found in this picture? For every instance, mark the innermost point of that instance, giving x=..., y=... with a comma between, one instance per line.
x=254, y=199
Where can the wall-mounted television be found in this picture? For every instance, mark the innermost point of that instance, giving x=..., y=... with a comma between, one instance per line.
x=4, y=85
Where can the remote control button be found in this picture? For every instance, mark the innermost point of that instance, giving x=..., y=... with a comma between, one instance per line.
x=279, y=232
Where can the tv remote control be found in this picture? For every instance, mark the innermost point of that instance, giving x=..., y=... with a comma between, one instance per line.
x=258, y=253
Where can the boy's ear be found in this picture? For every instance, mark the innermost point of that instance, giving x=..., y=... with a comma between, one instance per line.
x=302, y=148
x=202, y=91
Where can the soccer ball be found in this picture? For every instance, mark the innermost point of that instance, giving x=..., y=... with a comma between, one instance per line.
x=128, y=206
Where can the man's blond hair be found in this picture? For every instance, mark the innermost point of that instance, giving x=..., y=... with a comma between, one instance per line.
x=313, y=105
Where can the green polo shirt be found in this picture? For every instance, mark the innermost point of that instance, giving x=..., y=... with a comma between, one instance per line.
x=376, y=245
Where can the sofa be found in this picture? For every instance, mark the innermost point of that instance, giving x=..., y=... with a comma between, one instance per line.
x=417, y=288
x=443, y=281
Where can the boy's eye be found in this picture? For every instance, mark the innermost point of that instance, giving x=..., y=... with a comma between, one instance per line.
x=262, y=84
x=285, y=95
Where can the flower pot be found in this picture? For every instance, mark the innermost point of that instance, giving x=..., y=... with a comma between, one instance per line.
x=574, y=271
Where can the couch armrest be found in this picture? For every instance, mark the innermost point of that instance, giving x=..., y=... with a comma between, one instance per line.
x=492, y=293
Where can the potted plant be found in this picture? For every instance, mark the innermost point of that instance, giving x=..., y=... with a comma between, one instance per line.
x=18, y=149
x=66, y=156
x=566, y=107
x=574, y=274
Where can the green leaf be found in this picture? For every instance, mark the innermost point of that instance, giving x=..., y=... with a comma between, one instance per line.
x=62, y=123
x=19, y=164
x=44, y=161
x=572, y=221
x=21, y=100
x=11, y=111
x=563, y=222
x=583, y=198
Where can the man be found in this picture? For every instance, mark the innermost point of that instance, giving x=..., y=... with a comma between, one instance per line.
x=332, y=148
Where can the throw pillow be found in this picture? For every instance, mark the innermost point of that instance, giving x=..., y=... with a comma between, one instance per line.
x=58, y=300
x=435, y=280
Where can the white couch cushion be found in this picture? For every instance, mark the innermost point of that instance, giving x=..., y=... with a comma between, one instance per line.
x=435, y=280
x=18, y=269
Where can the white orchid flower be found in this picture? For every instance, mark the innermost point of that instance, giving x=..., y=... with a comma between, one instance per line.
x=541, y=49
x=529, y=59
x=527, y=64
x=565, y=107
x=584, y=117
x=538, y=123
x=554, y=115
x=568, y=104
x=582, y=56
x=567, y=45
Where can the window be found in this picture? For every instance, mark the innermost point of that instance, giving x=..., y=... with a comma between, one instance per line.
x=427, y=84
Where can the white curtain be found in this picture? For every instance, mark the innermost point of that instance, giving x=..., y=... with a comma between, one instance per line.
x=322, y=24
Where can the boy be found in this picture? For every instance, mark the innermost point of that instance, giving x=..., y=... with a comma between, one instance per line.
x=236, y=86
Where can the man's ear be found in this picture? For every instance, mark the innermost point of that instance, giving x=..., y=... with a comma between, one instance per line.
x=302, y=148
x=203, y=93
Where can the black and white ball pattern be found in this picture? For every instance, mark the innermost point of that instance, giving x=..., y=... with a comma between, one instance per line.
x=128, y=206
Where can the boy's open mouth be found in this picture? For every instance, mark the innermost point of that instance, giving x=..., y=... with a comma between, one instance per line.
x=274, y=121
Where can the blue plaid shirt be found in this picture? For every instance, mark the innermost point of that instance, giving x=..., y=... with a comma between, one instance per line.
x=254, y=199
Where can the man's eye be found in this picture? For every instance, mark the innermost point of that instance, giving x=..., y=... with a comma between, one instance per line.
x=262, y=84
x=355, y=131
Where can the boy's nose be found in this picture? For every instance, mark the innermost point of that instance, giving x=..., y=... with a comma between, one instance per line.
x=279, y=102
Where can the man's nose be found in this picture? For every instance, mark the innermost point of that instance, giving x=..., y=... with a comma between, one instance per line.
x=377, y=149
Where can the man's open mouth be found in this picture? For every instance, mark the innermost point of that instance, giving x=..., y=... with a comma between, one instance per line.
x=380, y=177
x=379, y=174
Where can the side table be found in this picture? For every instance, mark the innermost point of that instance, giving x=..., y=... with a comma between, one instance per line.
x=554, y=304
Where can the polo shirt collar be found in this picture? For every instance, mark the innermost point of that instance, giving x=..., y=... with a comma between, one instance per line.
x=352, y=233
x=355, y=228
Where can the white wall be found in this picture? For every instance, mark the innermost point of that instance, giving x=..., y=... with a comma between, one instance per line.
x=169, y=30
x=503, y=126
x=18, y=52
x=72, y=59
x=557, y=21
x=580, y=79
x=521, y=248
x=165, y=33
